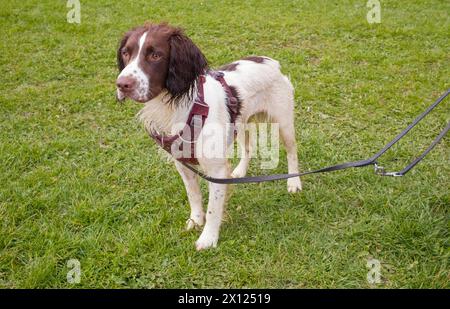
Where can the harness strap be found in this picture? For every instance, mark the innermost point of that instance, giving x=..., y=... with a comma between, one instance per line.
x=196, y=120
x=232, y=101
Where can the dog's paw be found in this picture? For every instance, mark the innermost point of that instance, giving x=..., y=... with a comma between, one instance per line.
x=294, y=185
x=195, y=223
x=206, y=240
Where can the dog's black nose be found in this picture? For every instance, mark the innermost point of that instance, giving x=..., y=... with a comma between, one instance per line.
x=125, y=83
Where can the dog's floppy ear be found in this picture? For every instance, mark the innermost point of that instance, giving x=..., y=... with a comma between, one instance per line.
x=120, y=63
x=186, y=63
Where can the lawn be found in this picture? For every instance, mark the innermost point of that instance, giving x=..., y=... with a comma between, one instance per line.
x=81, y=180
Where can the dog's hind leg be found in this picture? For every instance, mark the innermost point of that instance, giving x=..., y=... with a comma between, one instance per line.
x=197, y=217
x=288, y=135
x=281, y=111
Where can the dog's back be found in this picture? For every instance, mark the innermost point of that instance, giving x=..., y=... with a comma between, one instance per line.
x=261, y=85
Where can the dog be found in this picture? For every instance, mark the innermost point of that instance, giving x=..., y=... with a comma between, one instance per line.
x=160, y=67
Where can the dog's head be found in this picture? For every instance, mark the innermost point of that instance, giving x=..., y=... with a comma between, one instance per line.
x=157, y=58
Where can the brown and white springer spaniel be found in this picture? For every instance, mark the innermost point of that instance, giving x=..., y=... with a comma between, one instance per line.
x=160, y=66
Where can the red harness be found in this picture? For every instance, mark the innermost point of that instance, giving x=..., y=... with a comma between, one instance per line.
x=196, y=121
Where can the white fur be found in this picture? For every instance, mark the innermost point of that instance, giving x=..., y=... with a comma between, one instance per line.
x=262, y=88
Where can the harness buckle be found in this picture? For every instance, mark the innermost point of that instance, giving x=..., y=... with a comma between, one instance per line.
x=216, y=74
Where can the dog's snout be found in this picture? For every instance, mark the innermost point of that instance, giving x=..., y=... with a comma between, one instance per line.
x=125, y=83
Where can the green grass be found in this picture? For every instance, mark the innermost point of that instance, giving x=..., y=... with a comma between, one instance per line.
x=80, y=178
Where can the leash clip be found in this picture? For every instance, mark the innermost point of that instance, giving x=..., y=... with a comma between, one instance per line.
x=379, y=170
x=394, y=174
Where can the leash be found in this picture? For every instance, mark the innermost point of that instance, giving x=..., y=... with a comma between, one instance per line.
x=371, y=161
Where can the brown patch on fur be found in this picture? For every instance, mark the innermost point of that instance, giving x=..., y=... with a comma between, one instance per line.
x=236, y=112
x=186, y=64
x=256, y=59
x=229, y=67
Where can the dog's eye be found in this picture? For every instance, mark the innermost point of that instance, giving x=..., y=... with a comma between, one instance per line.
x=125, y=55
x=153, y=56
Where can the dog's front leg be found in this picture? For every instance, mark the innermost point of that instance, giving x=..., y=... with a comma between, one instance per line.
x=216, y=203
x=190, y=179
